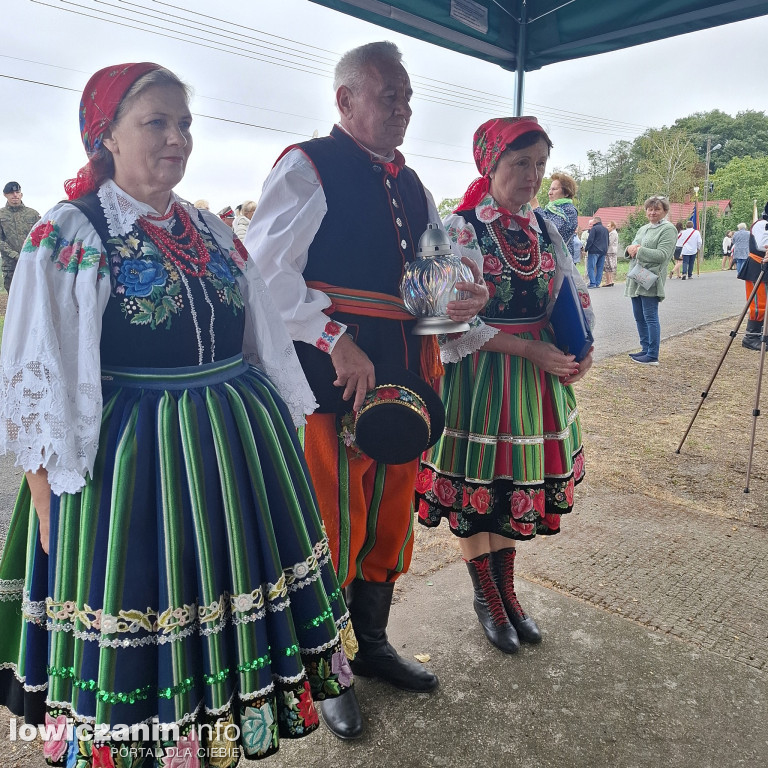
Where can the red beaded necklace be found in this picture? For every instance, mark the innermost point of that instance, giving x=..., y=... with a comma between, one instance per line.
x=187, y=250
x=524, y=259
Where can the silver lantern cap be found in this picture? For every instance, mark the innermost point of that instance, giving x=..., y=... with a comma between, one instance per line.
x=429, y=283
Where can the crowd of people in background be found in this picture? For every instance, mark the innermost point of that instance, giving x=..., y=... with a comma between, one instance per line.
x=585, y=245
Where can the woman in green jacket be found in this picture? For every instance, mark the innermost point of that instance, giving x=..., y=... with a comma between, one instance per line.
x=653, y=247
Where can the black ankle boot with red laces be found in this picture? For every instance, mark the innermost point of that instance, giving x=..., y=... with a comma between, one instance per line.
x=503, y=568
x=489, y=606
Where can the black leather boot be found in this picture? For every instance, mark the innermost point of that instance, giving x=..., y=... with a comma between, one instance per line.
x=342, y=715
x=489, y=607
x=503, y=565
x=368, y=603
x=753, y=337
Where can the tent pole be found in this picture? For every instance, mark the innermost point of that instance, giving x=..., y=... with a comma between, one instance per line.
x=520, y=73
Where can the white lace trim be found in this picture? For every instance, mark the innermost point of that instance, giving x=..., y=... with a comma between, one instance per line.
x=11, y=589
x=32, y=610
x=274, y=352
x=21, y=680
x=505, y=437
x=320, y=648
x=452, y=350
x=290, y=680
x=277, y=607
x=121, y=210
x=39, y=428
x=174, y=625
x=343, y=620
x=151, y=721
x=243, y=620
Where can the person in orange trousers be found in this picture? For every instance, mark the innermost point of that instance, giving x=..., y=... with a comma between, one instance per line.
x=758, y=258
x=338, y=219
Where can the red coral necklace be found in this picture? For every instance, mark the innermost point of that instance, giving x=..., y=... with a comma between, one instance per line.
x=523, y=259
x=186, y=250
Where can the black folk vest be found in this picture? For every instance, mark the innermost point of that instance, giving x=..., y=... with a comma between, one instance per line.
x=369, y=233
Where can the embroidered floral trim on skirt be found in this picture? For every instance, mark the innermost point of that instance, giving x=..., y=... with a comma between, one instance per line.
x=511, y=452
x=188, y=584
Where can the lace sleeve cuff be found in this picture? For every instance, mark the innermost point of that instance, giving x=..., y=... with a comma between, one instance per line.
x=453, y=349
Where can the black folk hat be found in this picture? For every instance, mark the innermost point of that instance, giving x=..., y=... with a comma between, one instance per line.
x=399, y=419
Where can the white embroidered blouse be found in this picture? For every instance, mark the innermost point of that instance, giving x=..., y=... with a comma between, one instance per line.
x=464, y=239
x=290, y=211
x=51, y=398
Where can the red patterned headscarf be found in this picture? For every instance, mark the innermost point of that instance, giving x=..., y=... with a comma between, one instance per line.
x=98, y=107
x=490, y=141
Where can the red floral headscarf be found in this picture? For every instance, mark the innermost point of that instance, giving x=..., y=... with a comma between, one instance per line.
x=490, y=141
x=101, y=98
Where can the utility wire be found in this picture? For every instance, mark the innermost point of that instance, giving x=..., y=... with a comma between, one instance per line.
x=228, y=120
x=314, y=119
x=446, y=87
x=322, y=67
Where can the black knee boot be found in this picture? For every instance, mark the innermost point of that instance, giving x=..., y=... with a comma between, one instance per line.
x=368, y=603
x=503, y=564
x=753, y=337
x=489, y=606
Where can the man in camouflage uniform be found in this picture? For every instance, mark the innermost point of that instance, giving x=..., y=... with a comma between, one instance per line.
x=16, y=220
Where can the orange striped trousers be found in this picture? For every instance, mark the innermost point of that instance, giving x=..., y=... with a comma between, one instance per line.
x=367, y=507
x=757, y=305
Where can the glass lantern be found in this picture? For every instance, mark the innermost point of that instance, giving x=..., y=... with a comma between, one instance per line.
x=429, y=283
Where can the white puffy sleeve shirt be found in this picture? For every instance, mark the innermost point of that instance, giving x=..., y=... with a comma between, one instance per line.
x=50, y=362
x=464, y=237
x=289, y=215
x=51, y=399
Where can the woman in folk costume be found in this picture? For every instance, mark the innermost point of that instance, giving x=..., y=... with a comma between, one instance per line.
x=173, y=569
x=511, y=453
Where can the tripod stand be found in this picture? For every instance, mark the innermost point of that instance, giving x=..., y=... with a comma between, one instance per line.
x=763, y=342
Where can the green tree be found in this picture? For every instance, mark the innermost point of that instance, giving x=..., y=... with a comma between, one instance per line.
x=620, y=181
x=447, y=205
x=717, y=226
x=742, y=181
x=627, y=233
x=668, y=164
x=746, y=134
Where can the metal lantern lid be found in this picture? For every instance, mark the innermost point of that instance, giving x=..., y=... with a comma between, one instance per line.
x=434, y=242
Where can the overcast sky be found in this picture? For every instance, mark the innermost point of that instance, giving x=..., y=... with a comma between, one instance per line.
x=248, y=108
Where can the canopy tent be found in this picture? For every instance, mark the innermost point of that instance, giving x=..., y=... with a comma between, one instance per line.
x=524, y=35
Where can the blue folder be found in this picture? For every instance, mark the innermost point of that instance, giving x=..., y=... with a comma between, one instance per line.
x=569, y=322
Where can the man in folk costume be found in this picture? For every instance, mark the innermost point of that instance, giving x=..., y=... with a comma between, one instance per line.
x=338, y=220
x=758, y=255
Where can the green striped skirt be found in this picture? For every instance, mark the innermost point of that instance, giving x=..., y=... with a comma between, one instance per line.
x=188, y=585
x=511, y=452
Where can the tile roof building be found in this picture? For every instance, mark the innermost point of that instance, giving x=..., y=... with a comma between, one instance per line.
x=677, y=212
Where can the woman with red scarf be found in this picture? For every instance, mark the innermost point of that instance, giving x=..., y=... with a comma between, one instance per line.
x=166, y=565
x=511, y=453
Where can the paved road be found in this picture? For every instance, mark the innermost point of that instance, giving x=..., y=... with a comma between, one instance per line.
x=689, y=304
